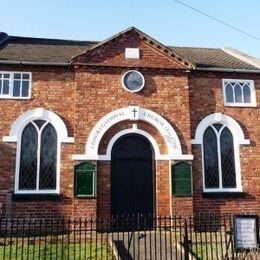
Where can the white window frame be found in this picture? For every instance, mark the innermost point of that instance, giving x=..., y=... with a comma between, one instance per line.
x=238, y=139
x=16, y=136
x=236, y=161
x=18, y=158
x=11, y=82
x=240, y=104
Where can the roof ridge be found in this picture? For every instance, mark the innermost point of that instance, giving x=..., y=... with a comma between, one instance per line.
x=166, y=49
x=11, y=37
x=190, y=47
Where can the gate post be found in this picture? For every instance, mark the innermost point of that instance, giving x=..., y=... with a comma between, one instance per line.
x=186, y=241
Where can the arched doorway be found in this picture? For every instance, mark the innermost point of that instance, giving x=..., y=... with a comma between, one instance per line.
x=132, y=176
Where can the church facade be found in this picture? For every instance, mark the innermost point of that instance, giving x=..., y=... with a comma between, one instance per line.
x=127, y=126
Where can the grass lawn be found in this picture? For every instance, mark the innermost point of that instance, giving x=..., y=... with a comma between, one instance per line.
x=211, y=251
x=56, y=251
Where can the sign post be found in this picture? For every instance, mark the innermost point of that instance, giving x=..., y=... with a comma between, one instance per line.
x=246, y=232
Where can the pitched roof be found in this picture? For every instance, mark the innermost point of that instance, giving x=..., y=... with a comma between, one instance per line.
x=49, y=51
x=41, y=50
x=212, y=58
x=165, y=49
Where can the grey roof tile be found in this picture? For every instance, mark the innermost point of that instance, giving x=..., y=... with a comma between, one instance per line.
x=61, y=51
x=212, y=58
x=41, y=50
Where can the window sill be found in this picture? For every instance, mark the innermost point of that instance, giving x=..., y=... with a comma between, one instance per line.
x=38, y=197
x=85, y=196
x=183, y=195
x=223, y=195
x=242, y=105
x=15, y=98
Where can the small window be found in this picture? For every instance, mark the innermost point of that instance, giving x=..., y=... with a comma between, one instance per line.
x=239, y=93
x=15, y=85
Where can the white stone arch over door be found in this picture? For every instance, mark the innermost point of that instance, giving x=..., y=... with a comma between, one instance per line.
x=133, y=113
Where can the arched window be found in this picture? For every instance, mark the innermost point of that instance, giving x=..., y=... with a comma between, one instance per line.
x=38, y=134
x=38, y=157
x=220, y=137
x=219, y=158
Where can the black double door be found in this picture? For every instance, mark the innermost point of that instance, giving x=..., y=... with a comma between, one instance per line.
x=132, y=176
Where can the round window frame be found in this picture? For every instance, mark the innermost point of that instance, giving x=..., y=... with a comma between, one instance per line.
x=126, y=88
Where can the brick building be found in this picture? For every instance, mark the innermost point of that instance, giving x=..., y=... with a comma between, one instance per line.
x=126, y=125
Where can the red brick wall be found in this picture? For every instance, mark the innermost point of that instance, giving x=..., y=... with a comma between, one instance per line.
x=112, y=53
x=81, y=103
x=103, y=189
x=83, y=96
x=206, y=97
x=165, y=93
x=99, y=91
x=51, y=89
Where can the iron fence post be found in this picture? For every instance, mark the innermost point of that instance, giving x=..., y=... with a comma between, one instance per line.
x=186, y=241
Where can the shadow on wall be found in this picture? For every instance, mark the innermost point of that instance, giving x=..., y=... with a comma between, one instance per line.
x=220, y=202
x=246, y=133
x=7, y=166
x=150, y=86
x=27, y=205
x=202, y=98
x=183, y=142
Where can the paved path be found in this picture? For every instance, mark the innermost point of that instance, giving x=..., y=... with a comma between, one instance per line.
x=147, y=245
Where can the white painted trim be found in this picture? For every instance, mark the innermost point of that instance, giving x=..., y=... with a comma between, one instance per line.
x=183, y=157
x=168, y=133
x=16, y=98
x=10, y=139
x=123, y=82
x=37, y=192
x=231, y=123
x=131, y=131
x=38, y=113
x=160, y=157
x=69, y=140
x=107, y=156
x=18, y=157
x=170, y=186
x=238, y=139
x=16, y=136
x=166, y=130
x=241, y=104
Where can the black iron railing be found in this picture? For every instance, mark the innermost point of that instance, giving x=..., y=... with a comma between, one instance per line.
x=201, y=236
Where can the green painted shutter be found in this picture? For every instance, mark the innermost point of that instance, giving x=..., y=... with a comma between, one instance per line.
x=85, y=179
x=182, y=179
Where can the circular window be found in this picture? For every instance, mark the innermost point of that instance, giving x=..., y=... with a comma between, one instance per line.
x=133, y=81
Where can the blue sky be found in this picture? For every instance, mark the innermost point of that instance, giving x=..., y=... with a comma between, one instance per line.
x=165, y=20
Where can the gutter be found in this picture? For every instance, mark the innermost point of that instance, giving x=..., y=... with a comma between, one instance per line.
x=67, y=64
x=228, y=70
x=41, y=63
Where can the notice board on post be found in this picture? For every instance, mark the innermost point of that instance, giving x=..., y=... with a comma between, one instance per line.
x=246, y=232
x=85, y=180
x=181, y=174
